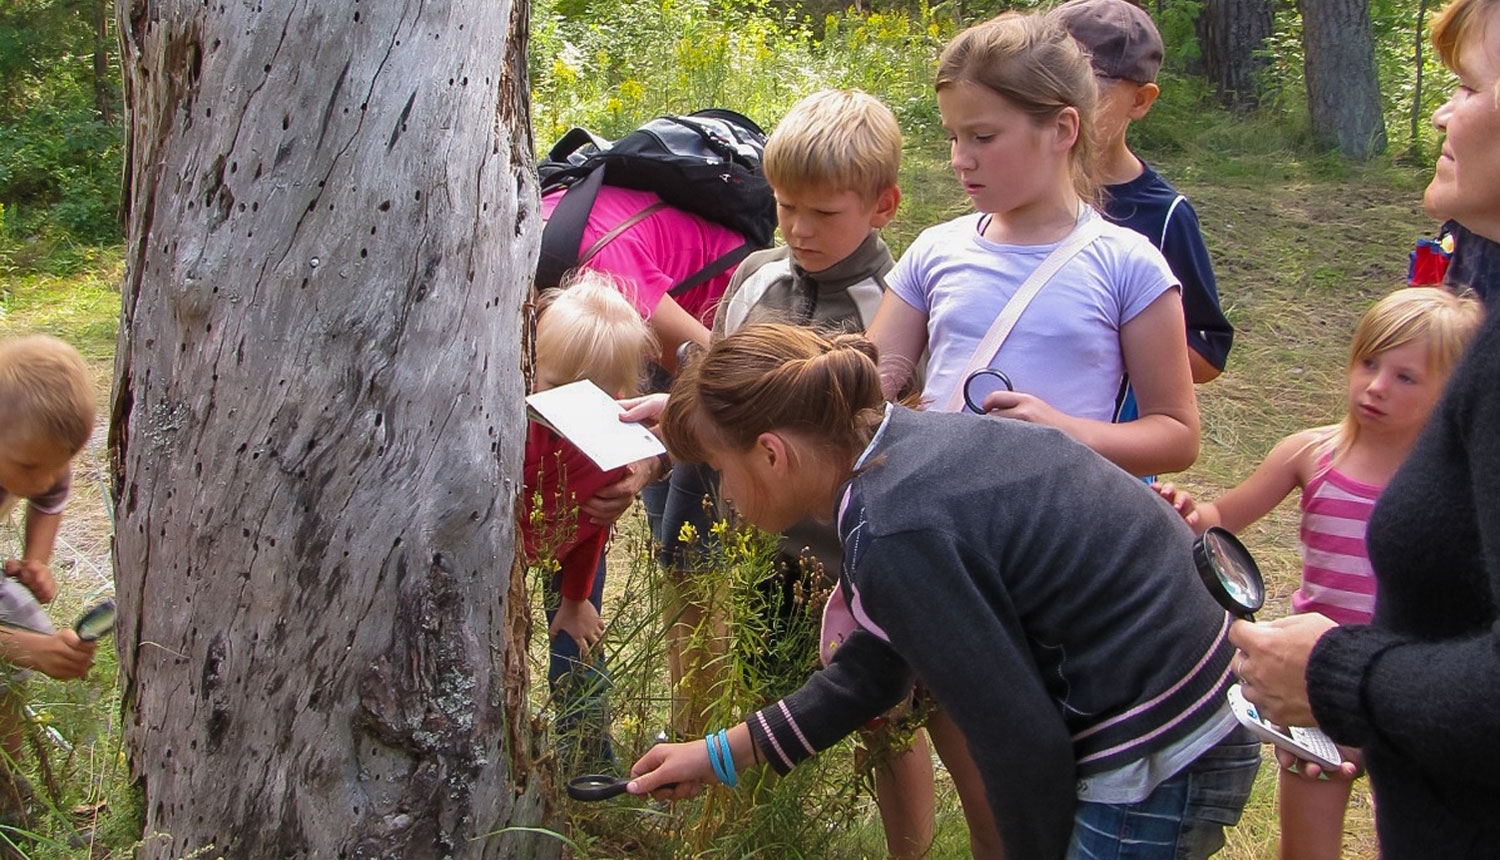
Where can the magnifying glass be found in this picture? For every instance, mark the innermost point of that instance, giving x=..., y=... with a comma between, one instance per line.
x=981, y=384
x=593, y=786
x=1230, y=573
x=98, y=622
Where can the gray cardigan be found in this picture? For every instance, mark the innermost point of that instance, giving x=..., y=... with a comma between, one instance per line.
x=1047, y=599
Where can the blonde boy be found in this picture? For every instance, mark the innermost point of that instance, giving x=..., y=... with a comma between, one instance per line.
x=46, y=416
x=832, y=162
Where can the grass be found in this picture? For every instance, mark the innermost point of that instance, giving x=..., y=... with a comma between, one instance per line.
x=1302, y=246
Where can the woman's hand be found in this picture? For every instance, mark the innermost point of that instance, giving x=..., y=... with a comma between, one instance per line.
x=1351, y=769
x=580, y=620
x=684, y=764
x=1272, y=664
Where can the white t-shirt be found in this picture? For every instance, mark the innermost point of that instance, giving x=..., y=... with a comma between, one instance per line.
x=1065, y=348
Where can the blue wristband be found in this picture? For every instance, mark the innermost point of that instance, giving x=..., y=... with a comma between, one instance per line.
x=734, y=778
x=713, y=757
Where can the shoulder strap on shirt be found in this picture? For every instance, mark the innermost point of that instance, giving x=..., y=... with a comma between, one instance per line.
x=1083, y=234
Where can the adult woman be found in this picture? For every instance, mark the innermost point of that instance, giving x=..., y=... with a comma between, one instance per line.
x=1089, y=675
x=1419, y=689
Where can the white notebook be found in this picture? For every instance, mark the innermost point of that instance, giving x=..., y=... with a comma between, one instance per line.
x=583, y=414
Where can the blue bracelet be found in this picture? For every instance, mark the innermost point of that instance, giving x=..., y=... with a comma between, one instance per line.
x=713, y=756
x=720, y=758
x=734, y=778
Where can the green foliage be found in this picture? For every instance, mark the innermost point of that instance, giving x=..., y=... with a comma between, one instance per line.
x=60, y=170
x=60, y=156
x=769, y=649
x=627, y=63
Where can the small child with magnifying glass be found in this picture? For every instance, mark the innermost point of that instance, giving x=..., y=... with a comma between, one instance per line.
x=1403, y=351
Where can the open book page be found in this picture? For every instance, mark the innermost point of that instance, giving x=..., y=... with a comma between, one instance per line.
x=583, y=414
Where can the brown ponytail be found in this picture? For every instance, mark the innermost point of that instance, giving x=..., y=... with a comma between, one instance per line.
x=771, y=377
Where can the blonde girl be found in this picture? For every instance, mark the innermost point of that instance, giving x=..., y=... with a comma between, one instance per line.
x=1017, y=97
x=585, y=330
x=1067, y=654
x=1404, y=349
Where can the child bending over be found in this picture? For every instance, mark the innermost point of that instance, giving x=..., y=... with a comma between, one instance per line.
x=585, y=330
x=46, y=416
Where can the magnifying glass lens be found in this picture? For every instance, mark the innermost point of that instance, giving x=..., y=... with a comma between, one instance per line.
x=983, y=383
x=97, y=622
x=1229, y=572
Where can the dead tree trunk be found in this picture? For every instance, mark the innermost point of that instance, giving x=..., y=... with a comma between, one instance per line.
x=317, y=427
x=1343, y=86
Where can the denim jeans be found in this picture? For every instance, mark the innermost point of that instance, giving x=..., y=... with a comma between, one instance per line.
x=1183, y=819
x=580, y=690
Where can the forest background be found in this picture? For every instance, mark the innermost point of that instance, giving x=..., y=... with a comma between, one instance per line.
x=1309, y=220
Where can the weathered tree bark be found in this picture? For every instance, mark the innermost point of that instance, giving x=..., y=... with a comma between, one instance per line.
x=1231, y=34
x=1343, y=86
x=317, y=427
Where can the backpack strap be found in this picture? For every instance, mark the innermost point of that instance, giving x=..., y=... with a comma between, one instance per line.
x=714, y=269
x=620, y=228
x=563, y=232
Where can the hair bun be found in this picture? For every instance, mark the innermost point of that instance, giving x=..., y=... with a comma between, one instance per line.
x=857, y=342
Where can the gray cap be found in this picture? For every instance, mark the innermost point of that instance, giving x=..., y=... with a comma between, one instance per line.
x=1118, y=35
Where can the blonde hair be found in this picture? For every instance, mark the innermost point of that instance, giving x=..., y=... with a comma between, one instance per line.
x=45, y=393
x=1459, y=21
x=842, y=140
x=586, y=329
x=773, y=377
x=1445, y=322
x=1031, y=61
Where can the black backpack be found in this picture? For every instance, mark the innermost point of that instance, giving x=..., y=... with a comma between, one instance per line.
x=706, y=163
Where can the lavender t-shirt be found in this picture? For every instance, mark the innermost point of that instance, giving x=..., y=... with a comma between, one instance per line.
x=1065, y=348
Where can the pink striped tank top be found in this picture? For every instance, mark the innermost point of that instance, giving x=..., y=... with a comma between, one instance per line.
x=1336, y=576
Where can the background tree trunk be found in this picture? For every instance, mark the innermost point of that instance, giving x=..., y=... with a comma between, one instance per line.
x=1343, y=87
x=317, y=427
x=104, y=97
x=1230, y=35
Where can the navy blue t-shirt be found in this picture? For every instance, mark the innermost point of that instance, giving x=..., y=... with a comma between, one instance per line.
x=1149, y=205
